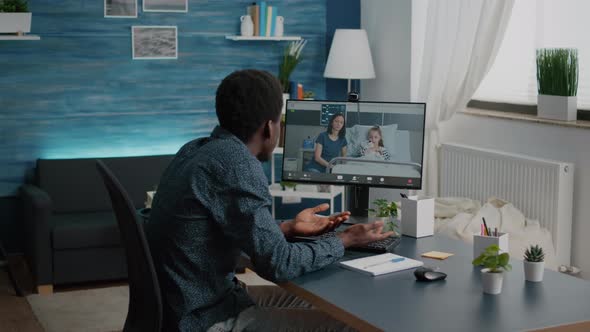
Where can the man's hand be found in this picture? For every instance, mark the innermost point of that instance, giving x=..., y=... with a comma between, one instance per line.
x=362, y=234
x=309, y=223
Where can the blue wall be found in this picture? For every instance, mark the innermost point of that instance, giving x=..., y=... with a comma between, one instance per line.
x=77, y=92
x=342, y=14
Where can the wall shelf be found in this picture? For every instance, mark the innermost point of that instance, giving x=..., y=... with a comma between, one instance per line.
x=15, y=37
x=261, y=38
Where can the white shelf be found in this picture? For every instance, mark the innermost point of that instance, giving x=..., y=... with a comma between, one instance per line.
x=15, y=37
x=305, y=191
x=278, y=150
x=261, y=38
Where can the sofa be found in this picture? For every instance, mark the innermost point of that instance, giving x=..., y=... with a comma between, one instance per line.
x=71, y=234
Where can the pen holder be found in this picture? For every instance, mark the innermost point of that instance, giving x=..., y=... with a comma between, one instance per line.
x=480, y=243
x=417, y=216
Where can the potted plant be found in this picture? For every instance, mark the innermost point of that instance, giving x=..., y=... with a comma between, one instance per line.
x=557, y=83
x=534, y=263
x=308, y=95
x=387, y=212
x=291, y=57
x=14, y=17
x=288, y=186
x=494, y=263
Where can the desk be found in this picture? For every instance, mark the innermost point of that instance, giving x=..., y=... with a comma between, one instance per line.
x=397, y=302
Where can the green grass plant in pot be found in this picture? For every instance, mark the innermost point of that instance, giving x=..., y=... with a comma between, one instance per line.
x=534, y=263
x=14, y=17
x=557, y=83
x=495, y=264
x=387, y=212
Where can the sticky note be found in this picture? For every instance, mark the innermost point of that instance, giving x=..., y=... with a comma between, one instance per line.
x=437, y=255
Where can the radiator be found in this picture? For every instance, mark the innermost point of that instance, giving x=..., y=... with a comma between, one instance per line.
x=541, y=189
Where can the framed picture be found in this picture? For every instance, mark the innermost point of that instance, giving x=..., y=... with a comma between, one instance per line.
x=120, y=8
x=179, y=6
x=154, y=42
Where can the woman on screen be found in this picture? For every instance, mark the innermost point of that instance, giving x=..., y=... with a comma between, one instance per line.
x=329, y=145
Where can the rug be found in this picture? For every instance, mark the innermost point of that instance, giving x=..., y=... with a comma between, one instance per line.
x=94, y=310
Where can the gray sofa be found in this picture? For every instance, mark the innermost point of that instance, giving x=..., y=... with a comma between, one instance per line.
x=71, y=233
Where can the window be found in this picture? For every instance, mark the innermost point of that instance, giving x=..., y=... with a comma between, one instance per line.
x=538, y=24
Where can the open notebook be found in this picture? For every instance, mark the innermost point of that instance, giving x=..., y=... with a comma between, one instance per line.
x=381, y=264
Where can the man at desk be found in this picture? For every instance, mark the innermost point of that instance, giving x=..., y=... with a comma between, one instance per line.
x=213, y=202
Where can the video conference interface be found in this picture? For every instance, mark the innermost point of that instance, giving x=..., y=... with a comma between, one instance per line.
x=364, y=143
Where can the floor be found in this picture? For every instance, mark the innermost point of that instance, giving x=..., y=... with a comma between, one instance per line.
x=15, y=312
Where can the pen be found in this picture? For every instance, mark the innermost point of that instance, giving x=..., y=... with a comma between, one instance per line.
x=395, y=260
x=486, y=226
x=403, y=195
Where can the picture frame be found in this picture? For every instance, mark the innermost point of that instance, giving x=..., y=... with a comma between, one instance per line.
x=120, y=8
x=170, y=6
x=154, y=42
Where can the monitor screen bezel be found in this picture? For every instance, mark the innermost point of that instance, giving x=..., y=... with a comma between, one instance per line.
x=412, y=187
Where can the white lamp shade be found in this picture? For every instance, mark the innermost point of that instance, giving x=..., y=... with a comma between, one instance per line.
x=350, y=56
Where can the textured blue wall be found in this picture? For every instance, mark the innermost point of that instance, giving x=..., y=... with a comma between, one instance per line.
x=77, y=92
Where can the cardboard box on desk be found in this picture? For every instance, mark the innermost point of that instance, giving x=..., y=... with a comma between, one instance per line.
x=417, y=216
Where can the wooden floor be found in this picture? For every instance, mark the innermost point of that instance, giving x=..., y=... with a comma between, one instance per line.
x=15, y=312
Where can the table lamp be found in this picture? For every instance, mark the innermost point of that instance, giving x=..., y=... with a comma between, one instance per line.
x=350, y=56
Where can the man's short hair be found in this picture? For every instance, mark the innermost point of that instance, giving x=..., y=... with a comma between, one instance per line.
x=246, y=99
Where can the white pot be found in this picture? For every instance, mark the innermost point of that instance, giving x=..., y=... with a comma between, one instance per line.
x=246, y=27
x=533, y=271
x=285, y=97
x=491, y=282
x=557, y=107
x=15, y=22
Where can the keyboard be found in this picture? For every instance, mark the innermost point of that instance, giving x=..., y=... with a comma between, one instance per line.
x=382, y=246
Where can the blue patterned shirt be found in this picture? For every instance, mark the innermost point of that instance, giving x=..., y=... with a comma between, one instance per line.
x=212, y=203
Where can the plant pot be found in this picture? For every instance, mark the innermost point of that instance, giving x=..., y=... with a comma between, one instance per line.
x=15, y=22
x=491, y=282
x=557, y=107
x=533, y=271
x=285, y=97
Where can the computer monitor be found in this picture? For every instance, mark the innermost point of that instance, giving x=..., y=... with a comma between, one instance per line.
x=369, y=144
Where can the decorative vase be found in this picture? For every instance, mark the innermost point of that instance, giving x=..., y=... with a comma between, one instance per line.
x=562, y=108
x=15, y=23
x=533, y=271
x=280, y=26
x=247, y=26
x=491, y=281
x=285, y=97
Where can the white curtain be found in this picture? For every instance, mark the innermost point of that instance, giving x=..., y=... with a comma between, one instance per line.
x=459, y=39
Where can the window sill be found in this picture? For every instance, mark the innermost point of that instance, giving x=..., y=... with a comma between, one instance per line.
x=525, y=117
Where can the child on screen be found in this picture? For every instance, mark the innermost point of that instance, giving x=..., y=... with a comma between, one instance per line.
x=374, y=147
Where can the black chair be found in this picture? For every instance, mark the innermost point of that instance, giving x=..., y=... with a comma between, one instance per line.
x=145, y=301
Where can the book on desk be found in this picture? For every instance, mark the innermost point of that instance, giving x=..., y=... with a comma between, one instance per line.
x=381, y=264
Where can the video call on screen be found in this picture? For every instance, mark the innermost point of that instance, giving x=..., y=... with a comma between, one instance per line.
x=369, y=143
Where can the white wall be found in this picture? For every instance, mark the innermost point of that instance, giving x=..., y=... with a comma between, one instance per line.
x=537, y=140
x=389, y=28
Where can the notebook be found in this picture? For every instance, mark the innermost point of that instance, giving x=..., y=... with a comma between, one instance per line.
x=381, y=264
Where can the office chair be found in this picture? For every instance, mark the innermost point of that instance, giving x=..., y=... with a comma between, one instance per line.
x=145, y=301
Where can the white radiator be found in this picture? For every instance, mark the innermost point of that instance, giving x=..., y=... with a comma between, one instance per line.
x=541, y=189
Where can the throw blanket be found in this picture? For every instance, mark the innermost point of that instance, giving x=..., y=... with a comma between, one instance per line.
x=460, y=218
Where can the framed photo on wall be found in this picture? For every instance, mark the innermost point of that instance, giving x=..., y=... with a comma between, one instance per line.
x=178, y=6
x=120, y=8
x=154, y=42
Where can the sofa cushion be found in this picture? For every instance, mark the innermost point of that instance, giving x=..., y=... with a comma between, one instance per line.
x=74, y=185
x=84, y=230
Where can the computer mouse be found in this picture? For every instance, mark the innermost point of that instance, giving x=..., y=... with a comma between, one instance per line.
x=428, y=274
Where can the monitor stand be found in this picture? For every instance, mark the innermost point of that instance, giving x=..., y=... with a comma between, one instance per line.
x=357, y=203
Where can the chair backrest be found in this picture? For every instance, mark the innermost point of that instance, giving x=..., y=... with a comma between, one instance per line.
x=145, y=301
